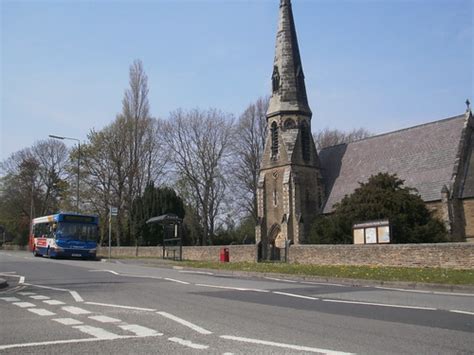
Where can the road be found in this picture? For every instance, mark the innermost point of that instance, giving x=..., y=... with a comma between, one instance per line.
x=77, y=307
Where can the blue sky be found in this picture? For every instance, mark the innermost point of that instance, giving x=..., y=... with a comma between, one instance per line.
x=378, y=64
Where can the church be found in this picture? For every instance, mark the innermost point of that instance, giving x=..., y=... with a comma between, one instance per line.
x=296, y=183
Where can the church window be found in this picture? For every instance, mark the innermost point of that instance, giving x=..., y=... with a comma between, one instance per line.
x=289, y=124
x=274, y=133
x=275, y=80
x=275, y=198
x=305, y=141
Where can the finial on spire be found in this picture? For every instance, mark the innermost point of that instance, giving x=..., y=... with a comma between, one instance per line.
x=468, y=104
x=285, y=2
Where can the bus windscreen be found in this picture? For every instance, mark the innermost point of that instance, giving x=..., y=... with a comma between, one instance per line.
x=77, y=231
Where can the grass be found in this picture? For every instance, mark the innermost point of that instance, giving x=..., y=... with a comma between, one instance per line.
x=380, y=273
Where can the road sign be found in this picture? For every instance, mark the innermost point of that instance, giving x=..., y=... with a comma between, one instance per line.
x=113, y=211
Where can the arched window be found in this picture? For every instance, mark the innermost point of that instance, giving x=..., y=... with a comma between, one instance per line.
x=305, y=141
x=274, y=133
x=289, y=124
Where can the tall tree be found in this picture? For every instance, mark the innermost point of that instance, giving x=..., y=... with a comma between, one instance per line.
x=200, y=142
x=249, y=144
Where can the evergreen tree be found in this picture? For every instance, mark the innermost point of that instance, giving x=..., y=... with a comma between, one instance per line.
x=154, y=202
x=383, y=196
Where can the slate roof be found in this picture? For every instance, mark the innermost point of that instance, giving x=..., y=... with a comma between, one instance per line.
x=424, y=156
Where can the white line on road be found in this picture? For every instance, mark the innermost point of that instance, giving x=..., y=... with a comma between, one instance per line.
x=22, y=280
x=426, y=292
x=24, y=304
x=188, y=343
x=276, y=279
x=233, y=288
x=295, y=295
x=380, y=304
x=105, y=319
x=185, y=323
x=41, y=311
x=75, y=310
x=197, y=272
x=178, y=281
x=462, y=312
x=68, y=321
x=323, y=284
x=56, y=342
x=111, y=271
x=74, y=294
x=119, y=306
x=139, y=330
x=26, y=293
x=282, y=345
x=96, y=332
x=10, y=299
x=39, y=297
x=53, y=302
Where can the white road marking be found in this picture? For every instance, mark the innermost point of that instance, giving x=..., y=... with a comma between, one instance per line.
x=8, y=272
x=24, y=304
x=96, y=332
x=276, y=279
x=68, y=321
x=119, y=306
x=39, y=297
x=105, y=319
x=462, y=312
x=323, y=284
x=185, y=323
x=282, y=345
x=380, y=304
x=295, y=295
x=74, y=294
x=232, y=288
x=22, y=280
x=111, y=271
x=426, y=292
x=10, y=299
x=41, y=311
x=139, y=330
x=197, y=272
x=26, y=293
x=56, y=342
x=188, y=343
x=53, y=302
x=75, y=310
x=178, y=281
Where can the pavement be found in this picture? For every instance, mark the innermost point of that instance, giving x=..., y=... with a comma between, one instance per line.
x=345, y=281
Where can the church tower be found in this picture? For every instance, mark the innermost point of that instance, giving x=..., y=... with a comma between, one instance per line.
x=289, y=192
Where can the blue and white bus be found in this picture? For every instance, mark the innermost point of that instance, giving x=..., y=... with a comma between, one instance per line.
x=65, y=235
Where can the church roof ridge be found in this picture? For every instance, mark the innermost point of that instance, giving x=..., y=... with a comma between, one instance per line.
x=398, y=131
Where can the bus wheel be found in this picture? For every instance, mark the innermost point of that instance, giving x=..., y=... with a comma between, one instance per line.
x=35, y=253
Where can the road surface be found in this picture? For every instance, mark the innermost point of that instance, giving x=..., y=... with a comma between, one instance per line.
x=74, y=306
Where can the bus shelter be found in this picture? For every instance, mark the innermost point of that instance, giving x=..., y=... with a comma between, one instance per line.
x=172, y=241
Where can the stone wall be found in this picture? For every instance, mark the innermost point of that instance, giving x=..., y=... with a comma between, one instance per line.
x=445, y=255
x=468, y=206
x=237, y=253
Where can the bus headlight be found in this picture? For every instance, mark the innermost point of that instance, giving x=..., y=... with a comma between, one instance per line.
x=58, y=249
x=93, y=251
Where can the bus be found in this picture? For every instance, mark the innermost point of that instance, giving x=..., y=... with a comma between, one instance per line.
x=65, y=235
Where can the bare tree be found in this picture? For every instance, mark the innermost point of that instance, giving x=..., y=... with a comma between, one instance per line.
x=200, y=142
x=249, y=144
x=329, y=137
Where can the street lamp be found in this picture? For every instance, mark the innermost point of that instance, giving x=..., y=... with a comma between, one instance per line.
x=78, y=162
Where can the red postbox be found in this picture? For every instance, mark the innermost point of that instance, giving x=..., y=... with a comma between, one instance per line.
x=224, y=255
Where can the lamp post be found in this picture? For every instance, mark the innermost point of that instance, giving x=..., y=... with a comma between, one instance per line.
x=78, y=163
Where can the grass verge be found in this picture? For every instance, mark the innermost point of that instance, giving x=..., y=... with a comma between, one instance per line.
x=379, y=273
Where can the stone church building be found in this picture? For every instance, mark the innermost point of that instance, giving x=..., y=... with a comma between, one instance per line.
x=296, y=183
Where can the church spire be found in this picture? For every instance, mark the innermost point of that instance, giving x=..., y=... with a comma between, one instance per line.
x=288, y=87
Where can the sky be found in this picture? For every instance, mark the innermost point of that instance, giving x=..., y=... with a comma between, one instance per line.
x=379, y=64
